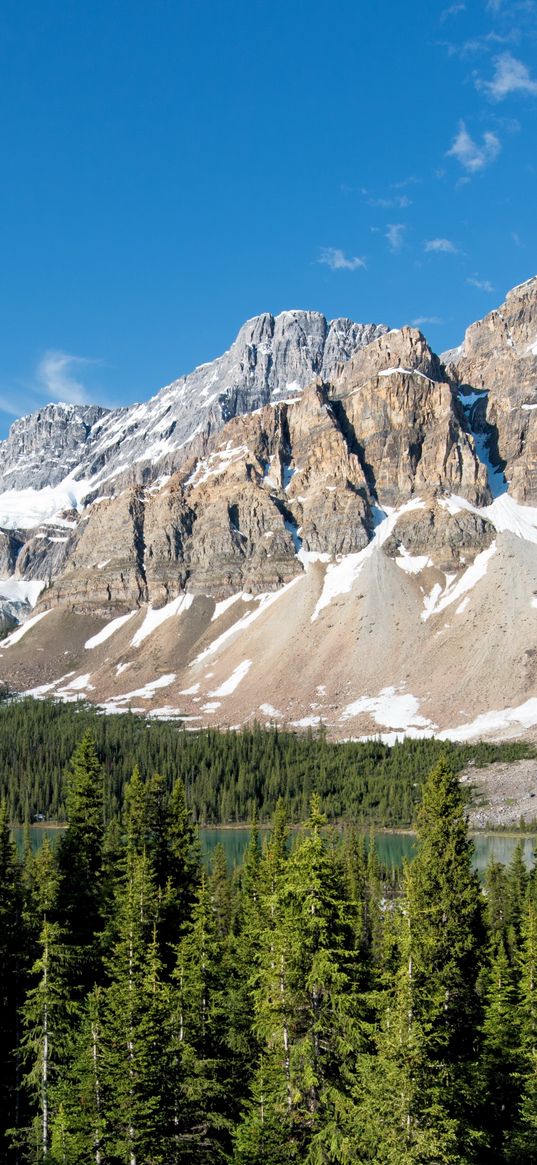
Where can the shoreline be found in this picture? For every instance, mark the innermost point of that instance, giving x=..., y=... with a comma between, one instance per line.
x=242, y=826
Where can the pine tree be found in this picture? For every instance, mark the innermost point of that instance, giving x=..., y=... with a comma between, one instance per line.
x=419, y=1093
x=134, y=1031
x=202, y=1101
x=48, y=1013
x=220, y=892
x=307, y=1014
x=501, y=1053
x=80, y=856
x=11, y=962
x=522, y=1139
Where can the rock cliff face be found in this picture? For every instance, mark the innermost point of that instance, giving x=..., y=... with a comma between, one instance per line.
x=45, y=447
x=499, y=357
x=325, y=509
x=306, y=474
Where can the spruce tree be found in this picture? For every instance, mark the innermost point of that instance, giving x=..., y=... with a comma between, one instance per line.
x=80, y=856
x=307, y=1014
x=133, y=1032
x=501, y=1060
x=48, y=1014
x=522, y=1138
x=203, y=1097
x=419, y=1095
x=12, y=953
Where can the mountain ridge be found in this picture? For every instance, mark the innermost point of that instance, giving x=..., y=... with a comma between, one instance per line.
x=333, y=554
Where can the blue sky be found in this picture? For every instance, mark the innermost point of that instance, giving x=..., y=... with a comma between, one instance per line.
x=170, y=169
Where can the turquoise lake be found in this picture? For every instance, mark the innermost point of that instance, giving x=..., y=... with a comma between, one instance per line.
x=392, y=847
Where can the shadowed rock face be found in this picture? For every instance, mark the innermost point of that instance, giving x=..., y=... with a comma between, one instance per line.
x=499, y=354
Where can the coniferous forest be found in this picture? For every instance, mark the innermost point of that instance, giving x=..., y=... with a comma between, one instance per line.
x=306, y=1008
x=227, y=775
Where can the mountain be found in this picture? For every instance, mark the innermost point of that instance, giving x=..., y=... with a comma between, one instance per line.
x=330, y=523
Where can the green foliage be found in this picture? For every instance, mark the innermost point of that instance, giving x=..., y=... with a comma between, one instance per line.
x=309, y=1007
x=226, y=775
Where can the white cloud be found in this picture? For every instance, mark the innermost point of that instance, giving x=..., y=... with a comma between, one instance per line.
x=481, y=284
x=511, y=76
x=337, y=260
x=478, y=45
x=56, y=379
x=401, y=201
x=7, y=406
x=443, y=245
x=472, y=155
x=453, y=10
x=425, y=320
x=394, y=235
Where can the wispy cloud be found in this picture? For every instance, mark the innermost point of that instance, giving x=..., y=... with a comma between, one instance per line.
x=510, y=76
x=472, y=155
x=481, y=284
x=7, y=406
x=417, y=323
x=442, y=245
x=453, y=10
x=337, y=260
x=55, y=374
x=412, y=180
x=480, y=45
x=401, y=201
x=395, y=235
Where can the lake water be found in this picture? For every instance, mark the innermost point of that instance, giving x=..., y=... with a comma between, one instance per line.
x=392, y=847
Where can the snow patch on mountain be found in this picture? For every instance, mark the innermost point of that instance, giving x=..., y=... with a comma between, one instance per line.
x=154, y=618
x=439, y=599
x=390, y=708
x=263, y=601
x=341, y=575
x=523, y=716
x=412, y=563
x=17, y=635
x=108, y=631
x=229, y=686
x=504, y=513
x=21, y=590
x=23, y=509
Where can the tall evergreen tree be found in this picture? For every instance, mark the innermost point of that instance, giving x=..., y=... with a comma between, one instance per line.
x=501, y=1054
x=12, y=943
x=420, y=1091
x=522, y=1138
x=202, y=1116
x=80, y=856
x=133, y=1032
x=48, y=1014
x=307, y=1015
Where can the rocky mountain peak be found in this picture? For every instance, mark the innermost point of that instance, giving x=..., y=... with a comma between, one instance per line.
x=45, y=446
x=100, y=451
x=499, y=357
x=327, y=508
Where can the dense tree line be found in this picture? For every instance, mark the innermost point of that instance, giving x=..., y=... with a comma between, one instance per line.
x=226, y=774
x=305, y=1008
